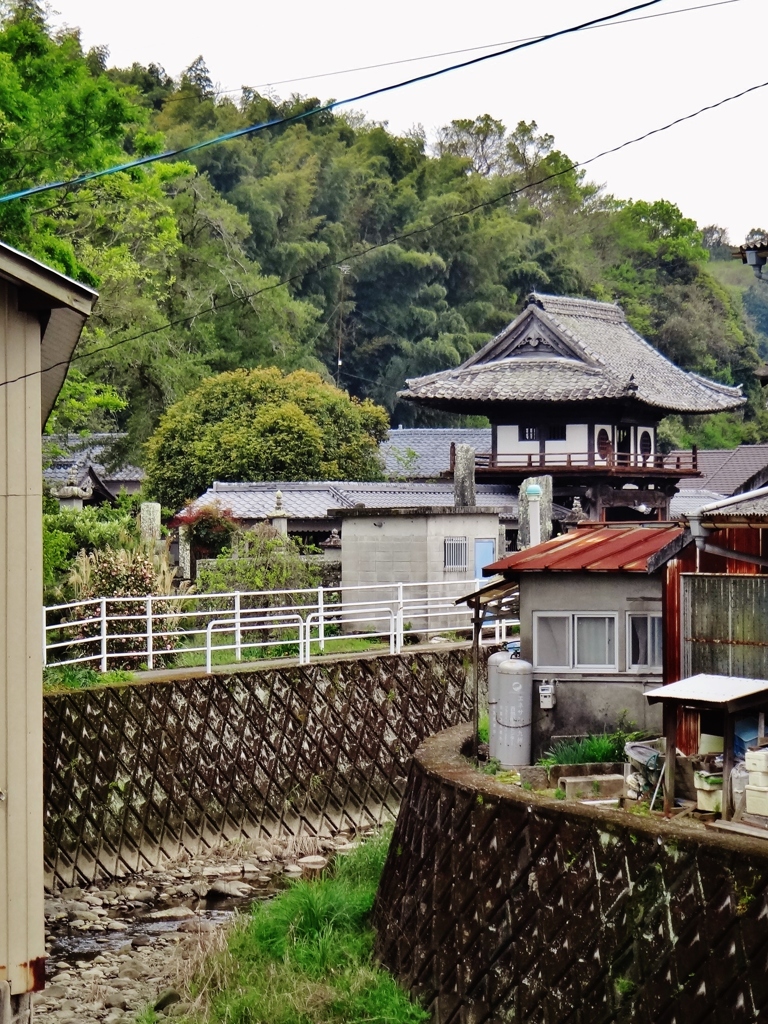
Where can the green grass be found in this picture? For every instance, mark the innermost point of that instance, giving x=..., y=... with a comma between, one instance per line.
x=589, y=750
x=483, y=728
x=306, y=956
x=58, y=678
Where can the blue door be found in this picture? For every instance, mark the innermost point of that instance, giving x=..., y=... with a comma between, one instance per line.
x=485, y=553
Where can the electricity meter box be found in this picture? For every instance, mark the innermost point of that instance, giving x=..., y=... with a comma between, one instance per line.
x=547, y=698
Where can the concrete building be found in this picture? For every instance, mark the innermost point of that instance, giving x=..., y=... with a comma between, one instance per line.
x=42, y=314
x=384, y=547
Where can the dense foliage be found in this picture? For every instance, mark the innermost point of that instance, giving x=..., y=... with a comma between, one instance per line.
x=263, y=425
x=188, y=255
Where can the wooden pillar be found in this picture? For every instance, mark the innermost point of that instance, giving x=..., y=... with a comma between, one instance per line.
x=670, y=735
x=728, y=739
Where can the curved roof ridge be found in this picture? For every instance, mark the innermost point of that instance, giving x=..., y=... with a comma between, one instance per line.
x=609, y=311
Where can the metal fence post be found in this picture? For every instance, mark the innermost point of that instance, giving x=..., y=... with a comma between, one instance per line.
x=103, y=604
x=320, y=618
x=399, y=620
x=150, y=637
x=238, y=629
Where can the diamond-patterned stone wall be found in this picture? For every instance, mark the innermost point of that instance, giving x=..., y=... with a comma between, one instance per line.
x=499, y=905
x=138, y=773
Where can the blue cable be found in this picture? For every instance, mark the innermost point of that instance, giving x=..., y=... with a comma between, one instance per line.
x=251, y=129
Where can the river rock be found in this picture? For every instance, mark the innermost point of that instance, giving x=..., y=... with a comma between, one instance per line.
x=221, y=888
x=166, y=999
x=171, y=914
x=115, y=999
x=199, y=924
x=73, y=892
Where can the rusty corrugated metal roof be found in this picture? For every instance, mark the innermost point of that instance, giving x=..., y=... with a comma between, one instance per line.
x=593, y=548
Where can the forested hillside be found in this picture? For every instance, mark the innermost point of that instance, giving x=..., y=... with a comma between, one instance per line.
x=420, y=288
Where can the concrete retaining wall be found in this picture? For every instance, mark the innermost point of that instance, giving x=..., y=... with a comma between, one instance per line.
x=500, y=905
x=139, y=773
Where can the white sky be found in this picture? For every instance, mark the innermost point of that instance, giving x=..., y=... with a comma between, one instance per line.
x=591, y=90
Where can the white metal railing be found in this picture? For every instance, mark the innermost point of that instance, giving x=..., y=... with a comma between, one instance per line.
x=194, y=629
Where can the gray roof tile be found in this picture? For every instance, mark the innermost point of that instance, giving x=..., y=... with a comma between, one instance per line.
x=730, y=470
x=585, y=351
x=313, y=499
x=425, y=452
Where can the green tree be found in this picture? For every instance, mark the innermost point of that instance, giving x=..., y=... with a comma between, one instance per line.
x=262, y=425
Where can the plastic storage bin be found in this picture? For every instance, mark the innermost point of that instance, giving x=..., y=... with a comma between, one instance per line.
x=709, y=791
x=757, y=760
x=757, y=800
x=758, y=779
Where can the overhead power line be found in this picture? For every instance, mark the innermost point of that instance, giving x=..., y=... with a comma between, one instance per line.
x=469, y=49
x=322, y=108
x=217, y=93
x=215, y=306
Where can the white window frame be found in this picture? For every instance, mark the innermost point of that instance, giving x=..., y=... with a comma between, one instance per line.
x=643, y=669
x=568, y=616
x=453, y=547
x=573, y=665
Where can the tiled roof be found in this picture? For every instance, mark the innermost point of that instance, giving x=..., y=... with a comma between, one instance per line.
x=690, y=501
x=431, y=448
x=82, y=454
x=731, y=470
x=572, y=350
x=313, y=499
x=748, y=508
x=592, y=548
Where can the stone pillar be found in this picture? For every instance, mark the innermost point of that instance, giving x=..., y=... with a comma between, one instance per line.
x=464, y=495
x=185, y=553
x=149, y=521
x=545, y=505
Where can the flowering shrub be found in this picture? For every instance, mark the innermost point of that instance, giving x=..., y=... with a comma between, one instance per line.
x=131, y=573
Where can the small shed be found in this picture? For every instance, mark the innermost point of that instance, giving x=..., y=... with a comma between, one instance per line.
x=591, y=622
x=728, y=695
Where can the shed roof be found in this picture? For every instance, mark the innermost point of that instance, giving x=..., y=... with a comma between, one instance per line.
x=572, y=350
x=728, y=692
x=594, y=548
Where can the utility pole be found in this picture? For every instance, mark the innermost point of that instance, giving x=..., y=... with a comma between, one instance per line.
x=343, y=271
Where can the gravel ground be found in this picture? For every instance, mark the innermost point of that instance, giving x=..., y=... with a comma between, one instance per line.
x=116, y=947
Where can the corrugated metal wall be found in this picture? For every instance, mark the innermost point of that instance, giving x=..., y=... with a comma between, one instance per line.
x=725, y=625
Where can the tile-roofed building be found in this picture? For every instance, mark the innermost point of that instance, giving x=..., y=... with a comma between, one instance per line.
x=424, y=453
x=561, y=349
x=573, y=391
x=311, y=504
x=730, y=470
x=88, y=464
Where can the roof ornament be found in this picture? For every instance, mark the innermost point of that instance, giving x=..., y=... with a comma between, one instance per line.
x=631, y=387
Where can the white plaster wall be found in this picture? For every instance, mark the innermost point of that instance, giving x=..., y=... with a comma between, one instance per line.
x=508, y=443
x=575, y=443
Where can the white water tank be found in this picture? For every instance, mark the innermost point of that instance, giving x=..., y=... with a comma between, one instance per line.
x=493, y=697
x=514, y=713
